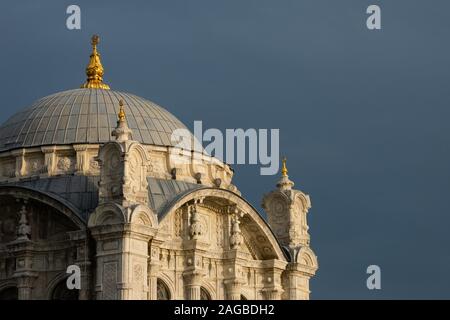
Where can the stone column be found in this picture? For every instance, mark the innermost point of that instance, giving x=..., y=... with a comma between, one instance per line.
x=23, y=250
x=193, y=281
x=25, y=284
x=271, y=294
x=298, y=280
x=85, y=291
x=298, y=286
x=232, y=272
x=49, y=159
x=233, y=287
x=20, y=162
x=232, y=268
x=82, y=164
x=272, y=280
x=122, y=256
x=153, y=270
x=83, y=261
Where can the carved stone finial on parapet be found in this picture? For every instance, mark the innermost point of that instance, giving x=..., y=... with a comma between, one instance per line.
x=284, y=183
x=236, y=237
x=122, y=132
x=196, y=227
x=23, y=229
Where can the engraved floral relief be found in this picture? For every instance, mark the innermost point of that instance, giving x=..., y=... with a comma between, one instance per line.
x=38, y=166
x=219, y=229
x=155, y=166
x=64, y=164
x=196, y=228
x=34, y=166
x=133, y=164
x=8, y=169
x=138, y=272
x=278, y=208
x=178, y=222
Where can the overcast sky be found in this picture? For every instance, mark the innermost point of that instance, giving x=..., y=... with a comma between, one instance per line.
x=363, y=115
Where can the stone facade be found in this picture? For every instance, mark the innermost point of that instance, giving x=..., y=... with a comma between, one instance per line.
x=209, y=243
x=141, y=217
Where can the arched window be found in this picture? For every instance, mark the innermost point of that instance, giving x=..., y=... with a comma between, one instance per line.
x=9, y=293
x=162, y=291
x=61, y=292
x=204, y=295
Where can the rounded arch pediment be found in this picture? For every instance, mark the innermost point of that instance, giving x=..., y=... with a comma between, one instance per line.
x=112, y=146
x=108, y=213
x=254, y=228
x=135, y=147
x=306, y=256
x=60, y=205
x=144, y=215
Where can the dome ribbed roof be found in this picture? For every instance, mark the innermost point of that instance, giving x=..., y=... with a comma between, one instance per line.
x=86, y=116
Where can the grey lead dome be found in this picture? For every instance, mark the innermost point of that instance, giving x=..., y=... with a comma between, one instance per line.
x=86, y=116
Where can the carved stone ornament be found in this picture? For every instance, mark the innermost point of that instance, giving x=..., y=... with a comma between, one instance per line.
x=196, y=228
x=236, y=238
x=23, y=230
x=64, y=164
x=94, y=164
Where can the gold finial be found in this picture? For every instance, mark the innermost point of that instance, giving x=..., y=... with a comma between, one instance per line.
x=94, y=70
x=95, y=40
x=284, y=170
x=121, y=111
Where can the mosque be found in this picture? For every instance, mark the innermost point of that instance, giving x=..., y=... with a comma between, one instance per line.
x=89, y=177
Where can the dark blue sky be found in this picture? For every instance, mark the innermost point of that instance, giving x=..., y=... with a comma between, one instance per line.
x=363, y=115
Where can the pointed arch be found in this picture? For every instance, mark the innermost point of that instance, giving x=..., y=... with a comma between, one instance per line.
x=204, y=294
x=162, y=290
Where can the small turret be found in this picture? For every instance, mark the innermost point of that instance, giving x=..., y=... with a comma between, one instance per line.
x=286, y=211
x=122, y=132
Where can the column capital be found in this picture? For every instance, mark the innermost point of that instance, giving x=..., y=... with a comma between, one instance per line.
x=193, y=277
x=272, y=293
x=48, y=149
x=80, y=147
x=25, y=280
x=233, y=287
